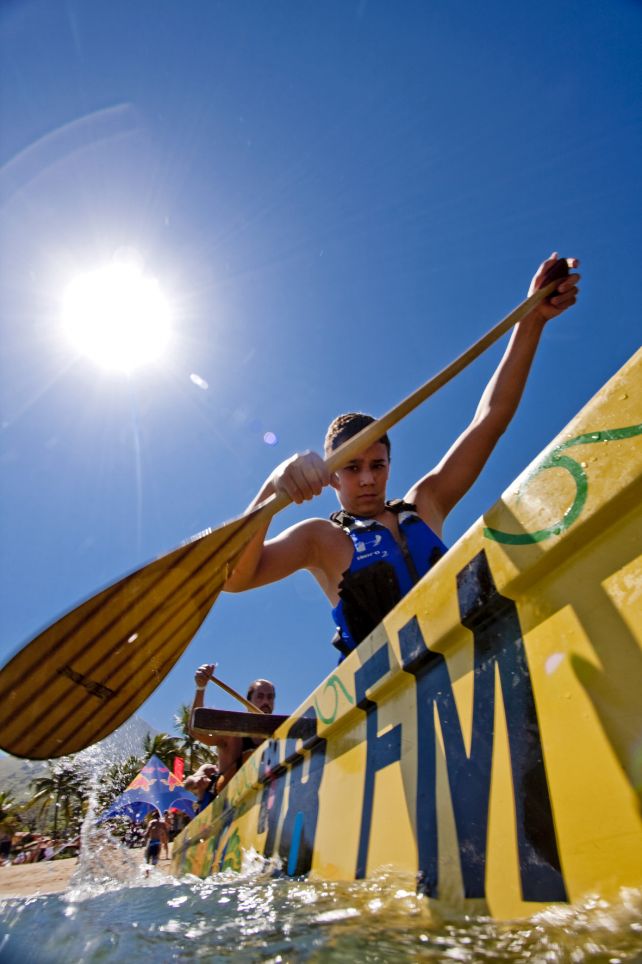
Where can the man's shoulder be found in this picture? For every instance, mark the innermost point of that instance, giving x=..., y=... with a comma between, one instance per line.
x=314, y=530
x=313, y=523
x=320, y=525
x=323, y=531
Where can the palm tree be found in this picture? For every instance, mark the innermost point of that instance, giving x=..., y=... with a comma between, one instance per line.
x=192, y=750
x=164, y=746
x=7, y=803
x=63, y=789
x=10, y=817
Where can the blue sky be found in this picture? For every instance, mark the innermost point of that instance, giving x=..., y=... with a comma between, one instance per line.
x=337, y=198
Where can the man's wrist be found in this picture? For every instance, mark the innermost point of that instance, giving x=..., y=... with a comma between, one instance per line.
x=534, y=322
x=200, y=689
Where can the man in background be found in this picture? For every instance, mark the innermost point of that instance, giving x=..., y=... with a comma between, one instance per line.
x=232, y=750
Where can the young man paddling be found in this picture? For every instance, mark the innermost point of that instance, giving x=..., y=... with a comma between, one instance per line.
x=367, y=556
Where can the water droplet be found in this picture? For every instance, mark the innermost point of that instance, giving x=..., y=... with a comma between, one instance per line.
x=270, y=438
x=583, y=464
x=553, y=662
x=133, y=638
x=623, y=396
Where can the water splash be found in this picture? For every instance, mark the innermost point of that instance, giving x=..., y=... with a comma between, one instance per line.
x=113, y=912
x=251, y=918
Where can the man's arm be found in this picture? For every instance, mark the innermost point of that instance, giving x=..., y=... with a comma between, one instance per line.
x=201, y=679
x=300, y=478
x=442, y=488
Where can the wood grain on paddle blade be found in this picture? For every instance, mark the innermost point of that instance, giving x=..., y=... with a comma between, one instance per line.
x=79, y=679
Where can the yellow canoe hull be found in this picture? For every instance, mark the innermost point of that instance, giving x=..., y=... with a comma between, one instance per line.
x=487, y=737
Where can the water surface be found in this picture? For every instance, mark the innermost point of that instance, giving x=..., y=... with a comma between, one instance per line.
x=113, y=912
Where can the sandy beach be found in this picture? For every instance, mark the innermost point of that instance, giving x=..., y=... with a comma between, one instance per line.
x=50, y=877
x=29, y=880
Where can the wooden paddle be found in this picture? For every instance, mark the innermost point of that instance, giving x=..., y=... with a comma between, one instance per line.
x=237, y=696
x=87, y=673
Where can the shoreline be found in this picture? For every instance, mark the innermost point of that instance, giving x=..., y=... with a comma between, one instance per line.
x=53, y=876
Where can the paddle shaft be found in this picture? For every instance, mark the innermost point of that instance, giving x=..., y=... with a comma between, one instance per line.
x=232, y=692
x=373, y=432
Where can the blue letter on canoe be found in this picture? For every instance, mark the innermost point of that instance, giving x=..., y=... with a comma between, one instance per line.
x=494, y=622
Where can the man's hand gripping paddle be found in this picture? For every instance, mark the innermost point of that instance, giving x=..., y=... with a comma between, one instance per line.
x=87, y=673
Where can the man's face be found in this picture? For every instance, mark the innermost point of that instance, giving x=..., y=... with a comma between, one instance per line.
x=361, y=484
x=263, y=697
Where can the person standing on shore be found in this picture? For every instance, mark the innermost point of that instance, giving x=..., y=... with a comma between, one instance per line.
x=155, y=836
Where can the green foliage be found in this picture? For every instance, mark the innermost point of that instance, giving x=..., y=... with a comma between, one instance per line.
x=60, y=797
x=117, y=778
x=10, y=820
x=7, y=803
x=164, y=746
x=192, y=750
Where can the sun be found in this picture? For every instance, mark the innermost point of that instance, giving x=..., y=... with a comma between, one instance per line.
x=117, y=316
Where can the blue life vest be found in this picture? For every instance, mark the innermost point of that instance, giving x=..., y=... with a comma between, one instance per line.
x=382, y=570
x=206, y=799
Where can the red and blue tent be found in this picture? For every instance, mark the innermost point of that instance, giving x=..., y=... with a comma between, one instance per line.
x=153, y=788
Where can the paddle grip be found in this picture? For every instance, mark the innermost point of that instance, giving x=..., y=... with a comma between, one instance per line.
x=557, y=272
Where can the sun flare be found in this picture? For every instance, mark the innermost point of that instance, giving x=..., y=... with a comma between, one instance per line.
x=117, y=316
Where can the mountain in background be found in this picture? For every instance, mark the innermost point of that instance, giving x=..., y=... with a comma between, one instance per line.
x=127, y=740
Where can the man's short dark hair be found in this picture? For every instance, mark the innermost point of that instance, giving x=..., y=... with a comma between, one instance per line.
x=345, y=426
x=257, y=682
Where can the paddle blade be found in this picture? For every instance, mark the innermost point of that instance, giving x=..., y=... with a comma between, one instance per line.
x=78, y=680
